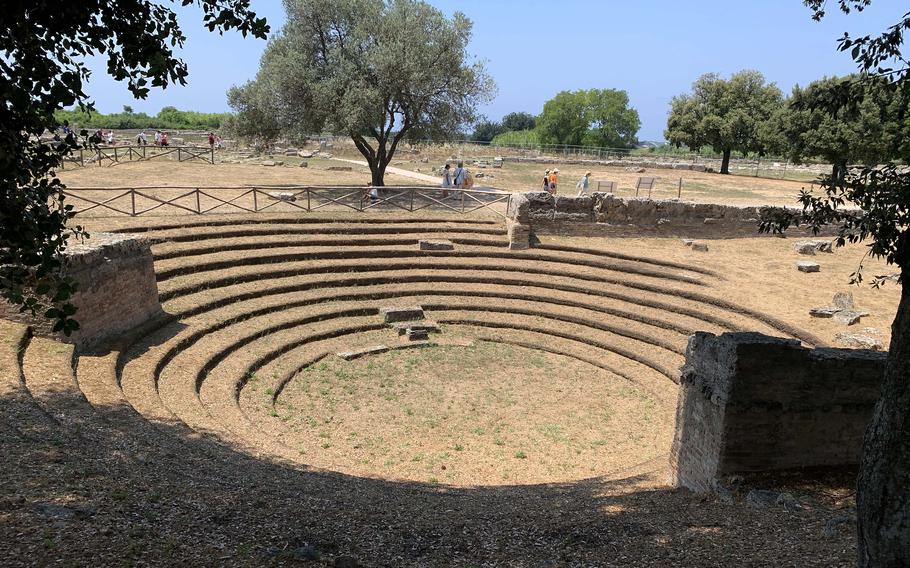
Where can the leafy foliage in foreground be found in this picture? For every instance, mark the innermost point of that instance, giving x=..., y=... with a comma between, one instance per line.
x=43, y=47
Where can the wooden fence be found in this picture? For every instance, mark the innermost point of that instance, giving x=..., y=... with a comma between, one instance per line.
x=136, y=201
x=112, y=155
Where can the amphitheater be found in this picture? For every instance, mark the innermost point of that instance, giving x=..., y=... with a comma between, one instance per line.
x=274, y=415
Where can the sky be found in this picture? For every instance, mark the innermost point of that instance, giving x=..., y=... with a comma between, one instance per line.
x=652, y=49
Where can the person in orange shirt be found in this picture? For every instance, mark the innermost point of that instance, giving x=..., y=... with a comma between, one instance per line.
x=554, y=175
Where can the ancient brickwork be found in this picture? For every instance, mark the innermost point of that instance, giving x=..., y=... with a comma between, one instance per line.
x=602, y=214
x=752, y=403
x=116, y=291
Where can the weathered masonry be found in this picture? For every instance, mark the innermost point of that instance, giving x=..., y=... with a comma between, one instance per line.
x=751, y=403
x=602, y=214
x=117, y=290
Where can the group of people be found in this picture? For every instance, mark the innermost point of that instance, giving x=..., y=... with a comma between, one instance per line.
x=161, y=139
x=460, y=178
x=551, y=182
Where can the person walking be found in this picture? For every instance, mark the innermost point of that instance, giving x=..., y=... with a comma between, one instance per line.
x=141, y=139
x=157, y=138
x=212, y=140
x=583, y=184
x=546, y=181
x=446, y=180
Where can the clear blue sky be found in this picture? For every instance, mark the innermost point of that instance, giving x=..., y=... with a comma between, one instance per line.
x=653, y=49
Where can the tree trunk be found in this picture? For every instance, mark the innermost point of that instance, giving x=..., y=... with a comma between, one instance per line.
x=725, y=163
x=883, y=488
x=377, y=174
x=838, y=171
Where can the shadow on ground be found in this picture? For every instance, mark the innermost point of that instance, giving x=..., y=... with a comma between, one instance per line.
x=115, y=490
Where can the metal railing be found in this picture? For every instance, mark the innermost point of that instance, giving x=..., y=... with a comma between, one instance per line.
x=137, y=201
x=116, y=154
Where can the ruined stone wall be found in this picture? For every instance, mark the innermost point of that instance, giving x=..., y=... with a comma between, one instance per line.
x=751, y=403
x=117, y=290
x=602, y=214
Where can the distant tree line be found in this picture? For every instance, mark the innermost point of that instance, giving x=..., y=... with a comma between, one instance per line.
x=594, y=117
x=744, y=114
x=167, y=118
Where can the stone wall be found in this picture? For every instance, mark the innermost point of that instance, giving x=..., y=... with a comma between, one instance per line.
x=753, y=403
x=603, y=214
x=117, y=290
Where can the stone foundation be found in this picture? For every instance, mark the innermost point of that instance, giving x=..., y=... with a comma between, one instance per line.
x=753, y=403
x=603, y=214
x=117, y=290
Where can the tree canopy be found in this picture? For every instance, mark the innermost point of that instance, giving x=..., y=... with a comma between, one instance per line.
x=168, y=117
x=595, y=117
x=871, y=205
x=516, y=121
x=43, y=46
x=726, y=114
x=377, y=71
x=868, y=131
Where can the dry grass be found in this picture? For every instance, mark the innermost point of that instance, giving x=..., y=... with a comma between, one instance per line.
x=435, y=415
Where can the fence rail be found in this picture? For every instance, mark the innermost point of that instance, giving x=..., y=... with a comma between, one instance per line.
x=137, y=201
x=85, y=156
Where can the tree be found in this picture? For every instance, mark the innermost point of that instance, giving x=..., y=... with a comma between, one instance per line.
x=255, y=121
x=725, y=114
x=517, y=121
x=597, y=117
x=127, y=109
x=485, y=131
x=375, y=70
x=865, y=132
x=43, y=46
x=882, y=195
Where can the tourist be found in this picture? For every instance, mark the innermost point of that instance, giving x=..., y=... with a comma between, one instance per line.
x=164, y=140
x=446, y=180
x=546, y=181
x=554, y=180
x=141, y=139
x=110, y=137
x=583, y=184
x=218, y=142
x=157, y=138
x=212, y=140
x=459, y=176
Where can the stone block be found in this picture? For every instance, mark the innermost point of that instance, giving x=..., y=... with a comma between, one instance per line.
x=701, y=247
x=753, y=403
x=397, y=314
x=436, y=245
x=340, y=169
x=807, y=266
x=417, y=335
x=403, y=327
x=849, y=317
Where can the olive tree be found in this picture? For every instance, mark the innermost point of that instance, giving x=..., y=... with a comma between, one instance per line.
x=375, y=70
x=43, y=46
x=727, y=114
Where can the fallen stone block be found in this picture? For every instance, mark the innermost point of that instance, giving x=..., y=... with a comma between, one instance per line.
x=688, y=242
x=849, y=317
x=711, y=221
x=403, y=327
x=357, y=353
x=306, y=154
x=410, y=313
x=340, y=168
x=808, y=266
x=859, y=341
x=844, y=300
x=813, y=247
x=436, y=245
x=701, y=247
x=417, y=335
x=268, y=163
x=304, y=164
x=824, y=311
